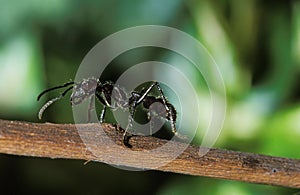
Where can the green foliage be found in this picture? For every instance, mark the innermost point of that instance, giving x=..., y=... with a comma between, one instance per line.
x=255, y=43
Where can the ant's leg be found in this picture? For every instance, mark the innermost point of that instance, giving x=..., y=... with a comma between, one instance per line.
x=102, y=114
x=162, y=96
x=129, y=125
x=153, y=120
x=173, y=123
x=142, y=97
x=152, y=123
x=172, y=115
x=100, y=98
x=105, y=104
x=130, y=118
x=169, y=111
x=91, y=107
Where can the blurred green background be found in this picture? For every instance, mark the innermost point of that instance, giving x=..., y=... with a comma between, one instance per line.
x=256, y=44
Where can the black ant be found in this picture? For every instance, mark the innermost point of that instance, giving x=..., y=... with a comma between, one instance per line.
x=113, y=96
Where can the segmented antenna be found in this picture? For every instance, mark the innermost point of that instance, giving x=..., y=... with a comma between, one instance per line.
x=54, y=99
x=47, y=105
x=53, y=88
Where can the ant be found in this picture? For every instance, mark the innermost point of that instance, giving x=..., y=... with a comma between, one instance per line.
x=108, y=91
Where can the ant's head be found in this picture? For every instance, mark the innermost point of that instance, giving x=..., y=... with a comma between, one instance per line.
x=83, y=90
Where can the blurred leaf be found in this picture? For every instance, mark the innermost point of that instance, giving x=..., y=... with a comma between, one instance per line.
x=282, y=134
x=20, y=74
x=215, y=38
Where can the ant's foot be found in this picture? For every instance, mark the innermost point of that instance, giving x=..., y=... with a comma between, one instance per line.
x=126, y=138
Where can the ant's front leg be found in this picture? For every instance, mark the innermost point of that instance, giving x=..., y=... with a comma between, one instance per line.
x=91, y=107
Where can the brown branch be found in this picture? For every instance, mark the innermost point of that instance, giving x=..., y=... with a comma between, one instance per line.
x=64, y=141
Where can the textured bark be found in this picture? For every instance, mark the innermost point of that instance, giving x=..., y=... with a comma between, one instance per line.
x=65, y=141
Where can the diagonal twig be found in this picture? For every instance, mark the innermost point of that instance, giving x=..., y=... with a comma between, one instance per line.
x=63, y=141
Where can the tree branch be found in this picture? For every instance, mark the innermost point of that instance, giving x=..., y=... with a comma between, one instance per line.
x=64, y=141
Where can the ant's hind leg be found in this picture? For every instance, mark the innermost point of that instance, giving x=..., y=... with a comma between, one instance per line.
x=169, y=108
x=163, y=97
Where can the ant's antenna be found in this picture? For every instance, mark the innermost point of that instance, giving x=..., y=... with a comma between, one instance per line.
x=52, y=100
x=53, y=88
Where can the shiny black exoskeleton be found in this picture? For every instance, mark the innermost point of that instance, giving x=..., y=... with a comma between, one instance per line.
x=114, y=97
